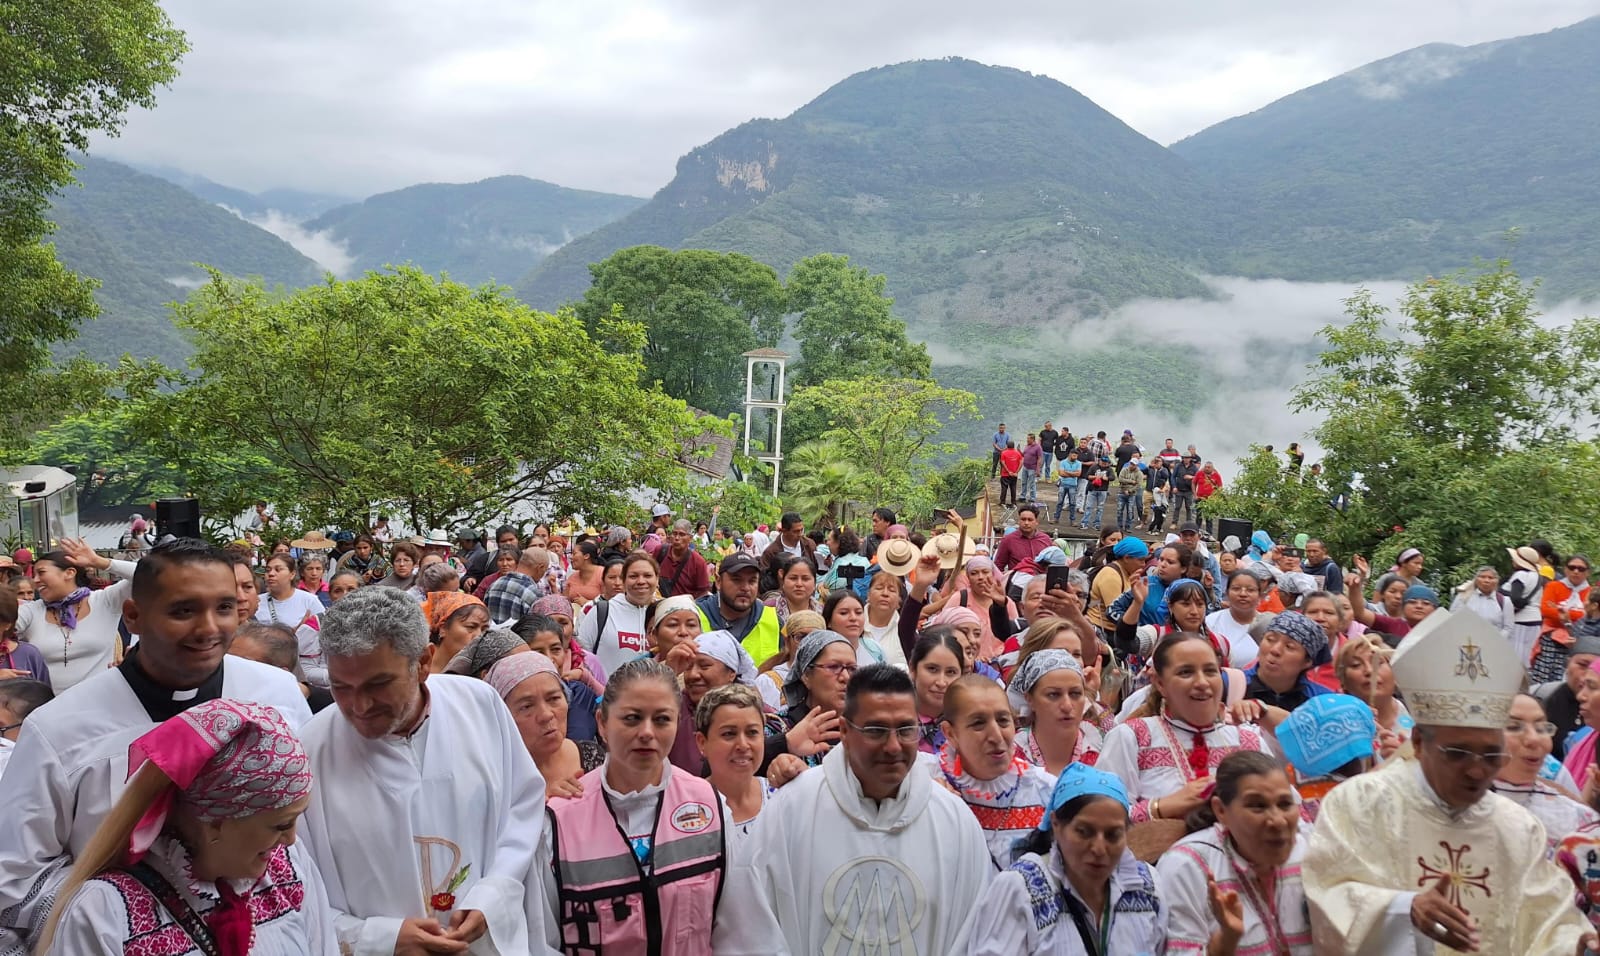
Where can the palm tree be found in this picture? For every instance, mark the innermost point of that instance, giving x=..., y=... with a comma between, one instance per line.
x=820, y=482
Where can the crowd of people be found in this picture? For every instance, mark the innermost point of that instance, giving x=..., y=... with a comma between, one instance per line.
x=685, y=739
x=1091, y=474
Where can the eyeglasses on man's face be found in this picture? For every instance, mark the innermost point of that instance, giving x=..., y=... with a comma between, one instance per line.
x=908, y=733
x=1463, y=759
x=1578, y=567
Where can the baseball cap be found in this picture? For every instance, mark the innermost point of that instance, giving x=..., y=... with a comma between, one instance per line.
x=1188, y=527
x=660, y=511
x=738, y=561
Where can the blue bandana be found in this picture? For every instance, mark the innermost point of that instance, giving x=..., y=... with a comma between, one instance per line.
x=1130, y=548
x=1079, y=780
x=1421, y=592
x=1327, y=732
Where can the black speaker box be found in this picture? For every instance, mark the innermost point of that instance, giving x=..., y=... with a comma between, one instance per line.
x=1233, y=526
x=179, y=517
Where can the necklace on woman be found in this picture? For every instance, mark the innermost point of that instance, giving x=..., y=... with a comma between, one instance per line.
x=1183, y=759
x=1257, y=898
x=970, y=788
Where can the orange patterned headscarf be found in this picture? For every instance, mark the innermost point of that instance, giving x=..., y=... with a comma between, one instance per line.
x=441, y=604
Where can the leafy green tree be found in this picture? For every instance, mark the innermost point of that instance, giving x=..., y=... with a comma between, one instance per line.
x=845, y=327
x=68, y=70
x=408, y=393
x=1455, y=430
x=821, y=483
x=739, y=505
x=700, y=310
x=888, y=428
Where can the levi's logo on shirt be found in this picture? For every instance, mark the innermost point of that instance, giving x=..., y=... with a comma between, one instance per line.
x=629, y=641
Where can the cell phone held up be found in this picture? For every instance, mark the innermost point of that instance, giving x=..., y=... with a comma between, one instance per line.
x=1057, y=577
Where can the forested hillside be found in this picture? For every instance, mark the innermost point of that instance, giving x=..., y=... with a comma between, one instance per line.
x=496, y=229
x=141, y=237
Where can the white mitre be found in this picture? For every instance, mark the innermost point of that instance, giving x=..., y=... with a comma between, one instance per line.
x=1456, y=670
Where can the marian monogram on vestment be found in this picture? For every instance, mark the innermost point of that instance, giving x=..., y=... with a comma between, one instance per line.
x=1464, y=878
x=1471, y=665
x=873, y=905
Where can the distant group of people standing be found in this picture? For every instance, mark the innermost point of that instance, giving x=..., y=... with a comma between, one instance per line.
x=1169, y=488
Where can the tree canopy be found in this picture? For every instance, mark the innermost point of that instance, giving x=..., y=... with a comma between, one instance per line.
x=68, y=69
x=700, y=310
x=886, y=429
x=1454, y=429
x=416, y=395
x=845, y=327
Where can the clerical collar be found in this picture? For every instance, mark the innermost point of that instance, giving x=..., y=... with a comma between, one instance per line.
x=1438, y=802
x=164, y=703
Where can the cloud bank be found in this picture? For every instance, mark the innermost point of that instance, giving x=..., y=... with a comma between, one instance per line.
x=1255, y=341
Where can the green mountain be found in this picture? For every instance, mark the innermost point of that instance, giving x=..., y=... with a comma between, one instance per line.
x=495, y=229
x=294, y=204
x=1002, y=206
x=993, y=199
x=1418, y=163
x=141, y=237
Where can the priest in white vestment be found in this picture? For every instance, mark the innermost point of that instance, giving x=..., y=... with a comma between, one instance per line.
x=1422, y=857
x=865, y=856
x=71, y=761
x=428, y=808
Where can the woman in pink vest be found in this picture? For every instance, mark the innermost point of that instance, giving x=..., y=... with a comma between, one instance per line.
x=644, y=860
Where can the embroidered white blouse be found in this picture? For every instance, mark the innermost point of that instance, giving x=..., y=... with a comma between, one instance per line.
x=1151, y=755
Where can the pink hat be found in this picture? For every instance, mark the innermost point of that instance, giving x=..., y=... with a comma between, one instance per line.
x=955, y=615
x=231, y=759
x=513, y=669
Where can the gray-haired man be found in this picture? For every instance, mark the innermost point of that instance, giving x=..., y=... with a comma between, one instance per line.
x=428, y=809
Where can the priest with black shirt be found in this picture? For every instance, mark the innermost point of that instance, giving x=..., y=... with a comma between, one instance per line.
x=71, y=760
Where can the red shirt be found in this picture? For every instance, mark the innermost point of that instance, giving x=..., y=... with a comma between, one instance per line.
x=690, y=576
x=1207, y=483
x=1015, y=549
x=1010, y=462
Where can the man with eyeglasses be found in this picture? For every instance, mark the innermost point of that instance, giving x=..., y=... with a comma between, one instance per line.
x=868, y=854
x=1424, y=852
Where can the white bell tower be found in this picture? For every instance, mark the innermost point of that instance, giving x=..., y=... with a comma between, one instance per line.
x=763, y=398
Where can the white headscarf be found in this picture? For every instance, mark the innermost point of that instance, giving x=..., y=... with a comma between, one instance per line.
x=722, y=646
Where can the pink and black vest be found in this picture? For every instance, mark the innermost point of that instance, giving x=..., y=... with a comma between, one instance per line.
x=612, y=904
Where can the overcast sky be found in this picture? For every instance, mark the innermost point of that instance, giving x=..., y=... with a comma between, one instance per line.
x=360, y=96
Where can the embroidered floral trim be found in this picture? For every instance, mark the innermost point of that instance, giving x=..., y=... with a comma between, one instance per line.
x=999, y=790
x=152, y=931
x=1043, y=897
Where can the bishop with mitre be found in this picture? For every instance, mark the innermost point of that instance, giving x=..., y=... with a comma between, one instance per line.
x=1421, y=856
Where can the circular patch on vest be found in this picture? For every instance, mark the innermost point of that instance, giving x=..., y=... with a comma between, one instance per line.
x=691, y=818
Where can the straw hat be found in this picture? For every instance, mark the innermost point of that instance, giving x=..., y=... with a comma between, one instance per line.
x=898, y=556
x=315, y=541
x=943, y=546
x=437, y=539
x=1524, y=557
